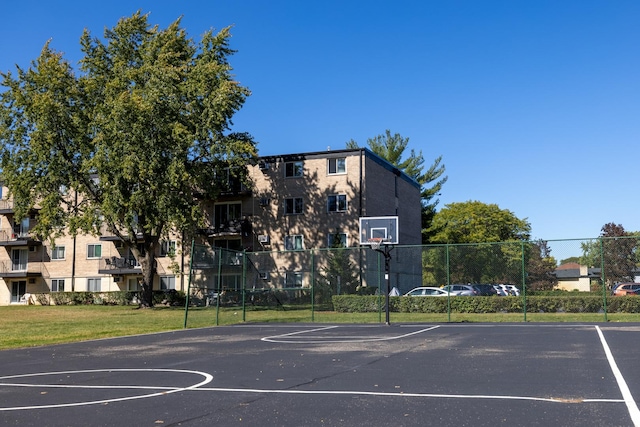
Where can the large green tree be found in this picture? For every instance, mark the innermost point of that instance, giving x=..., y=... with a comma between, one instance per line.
x=131, y=141
x=484, y=242
x=392, y=147
x=477, y=222
x=540, y=266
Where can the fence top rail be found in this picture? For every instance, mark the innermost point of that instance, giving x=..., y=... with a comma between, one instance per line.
x=428, y=245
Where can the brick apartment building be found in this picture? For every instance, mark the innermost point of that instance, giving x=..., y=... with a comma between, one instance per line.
x=296, y=202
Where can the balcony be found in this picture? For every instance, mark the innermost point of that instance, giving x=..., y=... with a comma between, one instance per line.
x=12, y=269
x=234, y=228
x=107, y=235
x=119, y=266
x=10, y=237
x=228, y=260
x=6, y=206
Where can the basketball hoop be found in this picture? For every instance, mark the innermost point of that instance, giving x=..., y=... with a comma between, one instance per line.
x=375, y=243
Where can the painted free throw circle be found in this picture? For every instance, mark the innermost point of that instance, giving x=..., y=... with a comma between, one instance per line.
x=163, y=389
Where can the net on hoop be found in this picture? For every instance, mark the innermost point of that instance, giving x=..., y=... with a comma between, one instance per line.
x=375, y=242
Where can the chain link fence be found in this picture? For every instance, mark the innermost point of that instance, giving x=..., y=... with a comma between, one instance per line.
x=309, y=280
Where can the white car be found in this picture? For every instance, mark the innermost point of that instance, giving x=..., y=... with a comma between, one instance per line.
x=511, y=290
x=426, y=291
x=500, y=290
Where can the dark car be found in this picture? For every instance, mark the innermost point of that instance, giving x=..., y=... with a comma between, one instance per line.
x=462, y=290
x=485, y=290
x=626, y=288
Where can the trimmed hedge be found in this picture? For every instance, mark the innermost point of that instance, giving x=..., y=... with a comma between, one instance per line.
x=491, y=304
x=170, y=297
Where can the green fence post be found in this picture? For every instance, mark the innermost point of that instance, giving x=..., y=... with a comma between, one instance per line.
x=602, y=276
x=312, y=286
x=524, y=285
x=186, y=304
x=244, y=285
x=218, y=284
x=379, y=289
x=448, y=283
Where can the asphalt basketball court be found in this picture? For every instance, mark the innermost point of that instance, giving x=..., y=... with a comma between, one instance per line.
x=311, y=375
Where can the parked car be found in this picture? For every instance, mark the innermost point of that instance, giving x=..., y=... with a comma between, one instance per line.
x=511, y=290
x=500, y=290
x=485, y=290
x=426, y=291
x=614, y=287
x=626, y=288
x=462, y=290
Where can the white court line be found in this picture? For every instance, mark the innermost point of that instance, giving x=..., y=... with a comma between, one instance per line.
x=296, y=392
x=289, y=339
x=97, y=387
x=404, y=394
x=207, y=379
x=305, y=331
x=622, y=384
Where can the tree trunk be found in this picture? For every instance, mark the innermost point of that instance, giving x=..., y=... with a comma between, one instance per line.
x=148, y=265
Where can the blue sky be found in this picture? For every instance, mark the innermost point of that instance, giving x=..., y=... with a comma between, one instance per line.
x=534, y=105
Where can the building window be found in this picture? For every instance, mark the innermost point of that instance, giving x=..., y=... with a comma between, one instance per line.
x=93, y=284
x=337, y=203
x=293, y=243
x=21, y=230
x=227, y=215
x=167, y=248
x=57, y=285
x=19, y=259
x=337, y=166
x=18, y=289
x=293, y=169
x=230, y=180
x=230, y=281
x=337, y=240
x=293, y=205
x=228, y=244
x=167, y=283
x=94, y=251
x=293, y=279
x=57, y=252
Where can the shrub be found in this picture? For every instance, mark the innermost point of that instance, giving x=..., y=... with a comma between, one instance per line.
x=117, y=297
x=43, y=299
x=169, y=297
x=569, y=303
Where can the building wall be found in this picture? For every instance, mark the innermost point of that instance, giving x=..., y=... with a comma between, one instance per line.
x=390, y=193
x=581, y=284
x=314, y=187
x=372, y=188
x=579, y=281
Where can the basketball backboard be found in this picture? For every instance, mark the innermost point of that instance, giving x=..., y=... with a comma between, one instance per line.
x=379, y=227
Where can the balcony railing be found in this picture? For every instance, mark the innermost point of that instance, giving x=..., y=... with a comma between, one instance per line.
x=6, y=205
x=108, y=235
x=22, y=269
x=120, y=265
x=236, y=227
x=17, y=237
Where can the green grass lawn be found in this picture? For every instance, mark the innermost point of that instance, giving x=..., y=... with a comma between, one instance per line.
x=28, y=326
